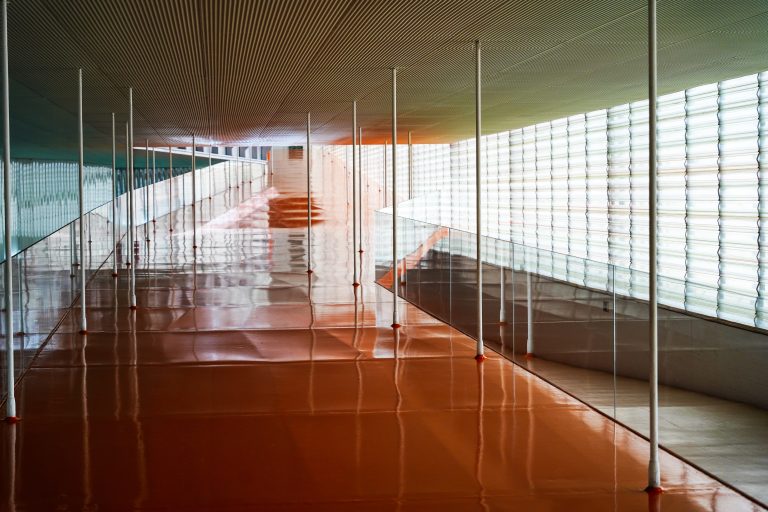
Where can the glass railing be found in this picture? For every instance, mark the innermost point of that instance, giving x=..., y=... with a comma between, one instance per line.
x=580, y=325
x=45, y=283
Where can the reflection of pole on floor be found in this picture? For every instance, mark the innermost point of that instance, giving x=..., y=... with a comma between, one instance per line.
x=80, y=198
x=354, y=194
x=114, y=200
x=395, y=267
x=654, y=472
x=309, y=195
x=10, y=375
x=529, y=308
x=131, y=202
x=480, y=353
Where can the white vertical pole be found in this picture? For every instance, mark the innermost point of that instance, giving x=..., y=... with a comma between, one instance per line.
x=385, y=174
x=127, y=197
x=194, y=197
x=355, y=283
x=395, y=273
x=154, y=193
x=502, y=296
x=360, y=190
x=114, y=200
x=480, y=355
x=10, y=403
x=410, y=166
x=80, y=198
x=131, y=202
x=309, y=196
x=170, y=188
x=210, y=174
x=654, y=471
x=146, y=190
x=529, y=308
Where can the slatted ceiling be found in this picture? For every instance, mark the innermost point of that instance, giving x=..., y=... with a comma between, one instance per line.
x=235, y=71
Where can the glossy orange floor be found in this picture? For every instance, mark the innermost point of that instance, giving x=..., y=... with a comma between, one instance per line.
x=242, y=384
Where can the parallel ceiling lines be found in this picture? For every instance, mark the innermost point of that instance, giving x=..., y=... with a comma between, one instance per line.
x=245, y=71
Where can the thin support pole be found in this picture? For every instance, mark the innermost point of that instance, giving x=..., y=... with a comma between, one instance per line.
x=360, y=190
x=654, y=471
x=410, y=166
x=210, y=174
x=309, y=196
x=131, y=202
x=114, y=199
x=10, y=376
x=395, y=268
x=194, y=196
x=385, y=174
x=480, y=355
x=529, y=311
x=154, y=193
x=80, y=198
x=170, y=189
x=127, y=197
x=355, y=282
x=146, y=190
x=502, y=295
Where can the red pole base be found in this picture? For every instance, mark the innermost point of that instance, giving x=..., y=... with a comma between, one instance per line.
x=115, y=274
x=355, y=284
x=171, y=230
x=654, y=490
x=529, y=355
x=396, y=326
x=12, y=420
x=133, y=308
x=480, y=358
x=309, y=271
x=83, y=332
x=503, y=323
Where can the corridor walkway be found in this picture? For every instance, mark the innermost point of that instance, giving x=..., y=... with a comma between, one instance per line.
x=242, y=383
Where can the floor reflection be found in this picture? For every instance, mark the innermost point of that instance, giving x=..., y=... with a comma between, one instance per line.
x=241, y=383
